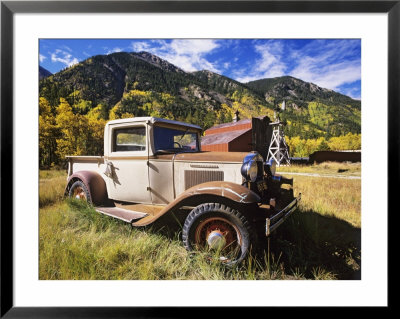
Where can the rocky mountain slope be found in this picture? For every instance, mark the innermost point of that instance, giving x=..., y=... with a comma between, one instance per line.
x=298, y=92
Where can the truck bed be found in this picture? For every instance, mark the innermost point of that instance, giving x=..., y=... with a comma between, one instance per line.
x=82, y=163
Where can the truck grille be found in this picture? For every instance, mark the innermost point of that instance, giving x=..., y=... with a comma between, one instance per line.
x=197, y=177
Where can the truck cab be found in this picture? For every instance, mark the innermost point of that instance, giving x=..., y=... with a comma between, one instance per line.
x=138, y=155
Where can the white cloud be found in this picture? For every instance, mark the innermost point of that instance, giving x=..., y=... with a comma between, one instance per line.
x=189, y=55
x=65, y=47
x=114, y=50
x=226, y=65
x=331, y=76
x=63, y=57
x=354, y=93
x=42, y=57
x=328, y=66
x=244, y=76
x=268, y=65
x=270, y=62
x=140, y=46
x=193, y=47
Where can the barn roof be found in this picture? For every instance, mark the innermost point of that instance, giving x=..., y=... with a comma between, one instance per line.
x=241, y=122
x=222, y=138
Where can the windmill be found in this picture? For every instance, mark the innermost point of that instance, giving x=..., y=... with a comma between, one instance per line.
x=278, y=149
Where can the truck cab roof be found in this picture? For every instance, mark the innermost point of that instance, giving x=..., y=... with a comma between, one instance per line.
x=152, y=120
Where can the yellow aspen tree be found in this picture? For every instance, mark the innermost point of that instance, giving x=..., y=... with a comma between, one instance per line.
x=47, y=134
x=96, y=122
x=74, y=131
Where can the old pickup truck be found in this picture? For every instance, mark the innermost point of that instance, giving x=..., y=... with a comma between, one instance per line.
x=154, y=168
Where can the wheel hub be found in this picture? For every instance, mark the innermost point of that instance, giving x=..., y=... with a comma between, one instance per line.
x=218, y=233
x=216, y=240
x=79, y=193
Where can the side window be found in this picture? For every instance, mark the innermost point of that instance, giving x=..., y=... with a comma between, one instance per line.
x=129, y=139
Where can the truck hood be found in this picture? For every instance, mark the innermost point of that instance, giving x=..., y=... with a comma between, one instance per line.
x=209, y=157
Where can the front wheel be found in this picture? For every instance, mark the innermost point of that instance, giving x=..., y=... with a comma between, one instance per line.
x=218, y=228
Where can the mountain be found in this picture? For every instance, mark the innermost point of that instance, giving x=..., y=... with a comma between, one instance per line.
x=298, y=92
x=220, y=83
x=311, y=111
x=125, y=84
x=104, y=79
x=43, y=73
x=158, y=62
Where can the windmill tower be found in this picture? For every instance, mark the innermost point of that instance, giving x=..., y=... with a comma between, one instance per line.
x=278, y=149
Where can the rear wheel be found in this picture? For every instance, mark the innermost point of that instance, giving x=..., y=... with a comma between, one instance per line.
x=218, y=229
x=79, y=191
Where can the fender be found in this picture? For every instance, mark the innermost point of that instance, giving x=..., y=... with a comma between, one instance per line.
x=213, y=190
x=233, y=191
x=94, y=182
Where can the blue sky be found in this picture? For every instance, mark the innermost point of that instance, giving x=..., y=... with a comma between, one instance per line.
x=331, y=63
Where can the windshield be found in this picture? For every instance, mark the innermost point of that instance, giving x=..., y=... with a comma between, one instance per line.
x=175, y=140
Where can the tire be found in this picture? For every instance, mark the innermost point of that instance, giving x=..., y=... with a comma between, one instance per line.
x=219, y=228
x=79, y=191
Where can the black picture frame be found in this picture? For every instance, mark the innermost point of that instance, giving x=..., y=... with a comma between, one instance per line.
x=9, y=8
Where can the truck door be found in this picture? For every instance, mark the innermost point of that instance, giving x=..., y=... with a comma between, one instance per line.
x=127, y=169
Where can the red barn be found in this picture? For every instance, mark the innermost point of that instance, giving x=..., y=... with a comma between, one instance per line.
x=229, y=137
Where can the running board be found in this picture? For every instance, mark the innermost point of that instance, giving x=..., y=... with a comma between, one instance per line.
x=126, y=215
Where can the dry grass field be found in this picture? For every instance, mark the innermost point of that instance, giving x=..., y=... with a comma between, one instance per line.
x=322, y=240
x=326, y=168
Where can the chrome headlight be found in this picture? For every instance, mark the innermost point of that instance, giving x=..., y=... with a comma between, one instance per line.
x=249, y=168
x=250, y=171
x=270, y=167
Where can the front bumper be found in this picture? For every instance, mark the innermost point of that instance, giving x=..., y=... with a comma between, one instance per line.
x=276, y=220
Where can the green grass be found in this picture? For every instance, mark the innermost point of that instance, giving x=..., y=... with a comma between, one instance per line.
x=320, y=241
x=324, y=236
x=76, y=242
x=51, y=186
x=52, y=173
x=331, y=197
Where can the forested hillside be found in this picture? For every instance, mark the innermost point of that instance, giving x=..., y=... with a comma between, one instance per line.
x=76, y=102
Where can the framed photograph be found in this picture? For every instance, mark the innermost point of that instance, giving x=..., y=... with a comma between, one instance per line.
x=344, y=54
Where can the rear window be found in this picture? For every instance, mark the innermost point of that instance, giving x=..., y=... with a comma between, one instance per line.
x=129, y=139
